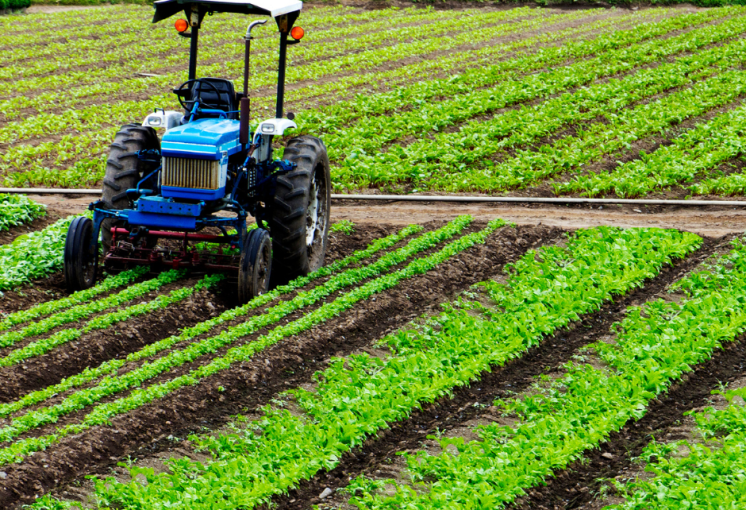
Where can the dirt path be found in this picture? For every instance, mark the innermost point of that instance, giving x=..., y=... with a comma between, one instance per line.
x=709, y=221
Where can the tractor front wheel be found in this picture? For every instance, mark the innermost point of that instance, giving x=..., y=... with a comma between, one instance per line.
x=80, y=256
x=255, y=266
x=300, y=210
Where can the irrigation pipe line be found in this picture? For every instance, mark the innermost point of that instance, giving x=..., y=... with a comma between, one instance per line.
x=538, y=200
x=438, y=198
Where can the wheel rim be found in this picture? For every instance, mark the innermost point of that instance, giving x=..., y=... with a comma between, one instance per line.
x=312, y=214
x=261, y=277
x=316, y=217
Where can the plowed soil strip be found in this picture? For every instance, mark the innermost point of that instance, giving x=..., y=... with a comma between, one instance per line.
x=286, y=364
x=102, y=345
x=468, y=402
x=186, y=368
x=132, y=335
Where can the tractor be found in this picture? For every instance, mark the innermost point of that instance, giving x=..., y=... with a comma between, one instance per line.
x=184, y=200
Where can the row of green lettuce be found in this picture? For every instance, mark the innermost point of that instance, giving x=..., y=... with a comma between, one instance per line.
x=707, y=471
x=654, y=346
x=34, y=255
x=186, y=335
x=198, y=350
x=359, y=396
x=15, y=210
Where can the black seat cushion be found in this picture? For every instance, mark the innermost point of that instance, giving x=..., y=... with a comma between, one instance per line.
x=208, y=98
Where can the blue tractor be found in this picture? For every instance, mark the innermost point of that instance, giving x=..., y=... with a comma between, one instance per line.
x=184, y=200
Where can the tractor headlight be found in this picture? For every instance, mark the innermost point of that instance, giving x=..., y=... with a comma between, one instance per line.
x=154, y=121
x=268, y=128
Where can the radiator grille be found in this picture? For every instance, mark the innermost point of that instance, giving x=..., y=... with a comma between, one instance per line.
x=191, y=173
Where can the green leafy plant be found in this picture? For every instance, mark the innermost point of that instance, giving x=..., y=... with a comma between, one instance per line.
x=344, y=226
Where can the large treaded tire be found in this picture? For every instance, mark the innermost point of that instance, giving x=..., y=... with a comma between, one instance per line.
x=80, y=261
x=255, y=266
x=124, y=170
x=291, y=220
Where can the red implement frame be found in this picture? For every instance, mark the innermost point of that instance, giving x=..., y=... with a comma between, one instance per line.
x=123, y=255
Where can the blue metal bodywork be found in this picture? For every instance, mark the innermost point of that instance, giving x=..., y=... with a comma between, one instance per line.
x=179, y=208
x=210, y=139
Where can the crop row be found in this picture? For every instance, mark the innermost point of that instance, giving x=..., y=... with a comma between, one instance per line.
x=34, y=160
x=479, y=141
x=330, y=309
x=226, y=42
x=82, y=37
x=102, y=414
x=106, y=114
x=63, y=336
x=486, y=71
x=83, y=296
x=360, y=395
x=113, y=366
x=81, y=311
x=423, y=161
x=115, y=384
x=598, y=140
x=34, y=255
x=128, y=40
x=709, y=476
x=13, y=107
x=694, y=154
x=654, y=346
x=318, y=58
x=495, y=89
x=37, y=30
x=87, y=170
x=18, y=209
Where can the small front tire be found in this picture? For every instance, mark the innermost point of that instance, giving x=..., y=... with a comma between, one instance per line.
x=256, y=265
x=81, y=255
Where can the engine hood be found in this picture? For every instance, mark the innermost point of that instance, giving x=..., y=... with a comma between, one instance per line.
x=202, y=139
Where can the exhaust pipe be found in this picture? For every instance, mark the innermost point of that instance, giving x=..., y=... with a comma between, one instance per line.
x=243, y=135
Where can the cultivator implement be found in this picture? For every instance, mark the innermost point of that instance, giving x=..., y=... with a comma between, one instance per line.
x=181, y=250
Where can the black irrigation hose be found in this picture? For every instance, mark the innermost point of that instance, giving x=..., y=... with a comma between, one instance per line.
x=444, y=198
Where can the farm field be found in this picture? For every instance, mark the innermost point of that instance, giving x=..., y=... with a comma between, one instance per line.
x=525, y=348
x=443, y=356
x=588, y=102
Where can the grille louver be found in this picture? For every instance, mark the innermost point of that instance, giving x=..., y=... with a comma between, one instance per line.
x=191, y=173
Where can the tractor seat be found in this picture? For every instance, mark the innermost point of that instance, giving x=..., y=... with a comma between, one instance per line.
x=208, y=98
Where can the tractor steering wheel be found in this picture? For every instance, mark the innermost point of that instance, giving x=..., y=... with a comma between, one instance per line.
x=199, y=81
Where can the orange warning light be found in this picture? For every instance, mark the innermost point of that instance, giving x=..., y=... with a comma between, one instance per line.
x=181, y=25
x=297, y=33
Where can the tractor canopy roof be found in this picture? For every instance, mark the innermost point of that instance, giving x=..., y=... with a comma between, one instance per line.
x=167, y=8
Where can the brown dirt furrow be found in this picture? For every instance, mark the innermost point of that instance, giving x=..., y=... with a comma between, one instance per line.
x=468, y=403
x=99, y=346
x=62, y=357
x=288, y=364
x=102, y=345
x=578, y=486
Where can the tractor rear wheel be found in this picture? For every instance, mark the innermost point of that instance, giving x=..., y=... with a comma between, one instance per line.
x=300, y=210
x=255, y=266
x=124, y=170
